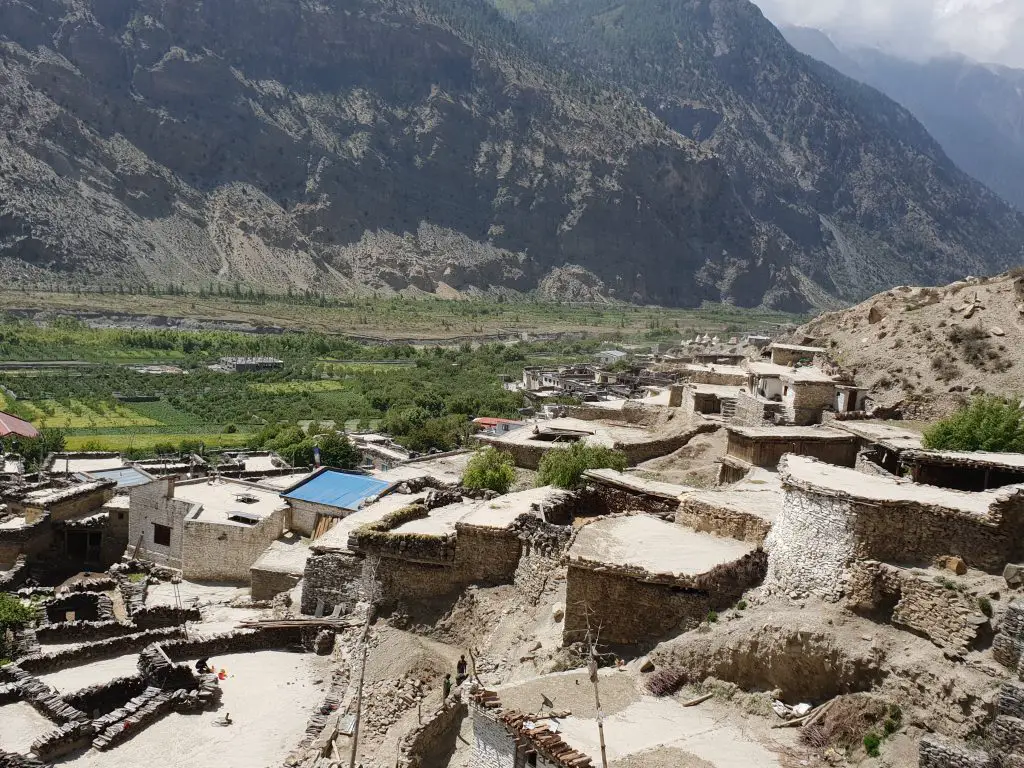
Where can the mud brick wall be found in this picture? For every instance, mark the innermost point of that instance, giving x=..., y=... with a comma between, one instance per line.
x=486, y=555
x=632, y=610
x=752, y=412
x=12, y=578
x=936, y=753
x=806, y=401
x=333, y=577
x=77, y=504
x=706, y=517
x=27, y=540
x=493, y=745
x=653, y=449
x=150, y=506
x=524, y=456
x=766, y=452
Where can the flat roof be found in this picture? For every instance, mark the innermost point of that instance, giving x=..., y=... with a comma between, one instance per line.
x=336, y=539
x=1012, y=461
x=803, y=471
x=789, y=433
x=497, y=513
x=222, y=497
x=283, y=482
x=264, y=463
x=449, y=468
x=334, y=488
x=759, y=494
x=796, y=348
x=284, y=556
x=45, y=496
x=594, y=433
x=878, y=431
x=719, y=390
x=72, y=465
x=125, y=477
x=634, y=483
x=735, y=370
x=658, y=547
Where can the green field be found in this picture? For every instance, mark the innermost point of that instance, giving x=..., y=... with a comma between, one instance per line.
x=137, y=442
x=75, y=414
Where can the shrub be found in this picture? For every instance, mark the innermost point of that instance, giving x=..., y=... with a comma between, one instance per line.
x=490, y=469
x=230, y=429
x=741, y=605
x=712, y=617
x=871, y=744
x=13, y=615
x=988, y=423
x=565, y=468
x=985, y=606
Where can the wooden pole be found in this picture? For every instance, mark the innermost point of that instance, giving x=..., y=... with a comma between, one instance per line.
x=359, y=706
x=592, y=668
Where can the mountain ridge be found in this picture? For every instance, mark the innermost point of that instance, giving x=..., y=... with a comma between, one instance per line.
x=418, y=147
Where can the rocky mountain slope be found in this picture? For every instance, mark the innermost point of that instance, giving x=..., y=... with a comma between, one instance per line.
x=926, y=350
x=975, y=111
x=847, y=182
x=431, y=146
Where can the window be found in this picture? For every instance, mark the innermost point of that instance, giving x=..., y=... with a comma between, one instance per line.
x=161, y=535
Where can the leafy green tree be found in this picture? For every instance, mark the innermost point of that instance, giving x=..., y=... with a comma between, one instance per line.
x=13, y=616
x=564, y=468
x=490, y=469
x=988, y=423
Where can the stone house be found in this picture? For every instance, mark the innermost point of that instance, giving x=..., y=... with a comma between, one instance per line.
x=749, y=447
x=833, y=518
x=209, y=529
x=641, y=579
x=964, y=470
x=792, y=354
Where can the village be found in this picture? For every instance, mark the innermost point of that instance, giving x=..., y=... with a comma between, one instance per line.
x=778, y=573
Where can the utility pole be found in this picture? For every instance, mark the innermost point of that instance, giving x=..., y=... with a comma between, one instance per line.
x=371, y=593
x=592, y=670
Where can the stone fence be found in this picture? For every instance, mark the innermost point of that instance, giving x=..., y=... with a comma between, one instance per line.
x=432, y=741
x=378, y=538
x=104, y=649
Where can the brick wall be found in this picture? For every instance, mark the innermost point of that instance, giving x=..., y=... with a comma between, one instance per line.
x=226, y=552
x=493, y=745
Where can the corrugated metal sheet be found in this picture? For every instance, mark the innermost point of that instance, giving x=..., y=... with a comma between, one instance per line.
x=337, y=489
x=126, y=477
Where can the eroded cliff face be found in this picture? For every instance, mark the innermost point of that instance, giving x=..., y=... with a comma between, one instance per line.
x=357, y=145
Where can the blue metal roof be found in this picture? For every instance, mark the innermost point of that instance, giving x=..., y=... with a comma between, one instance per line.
x=336, y=489
x=126, y=477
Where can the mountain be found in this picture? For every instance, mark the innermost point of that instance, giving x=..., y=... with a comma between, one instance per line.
x=854, y=189
x=975, y=111
x=434, y=146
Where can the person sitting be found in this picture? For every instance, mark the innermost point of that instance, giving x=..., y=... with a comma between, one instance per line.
x=203, y=666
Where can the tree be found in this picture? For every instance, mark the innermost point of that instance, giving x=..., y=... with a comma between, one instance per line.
x=989, y=423
x=490, y=469
x=13, y=616
x=565, y=468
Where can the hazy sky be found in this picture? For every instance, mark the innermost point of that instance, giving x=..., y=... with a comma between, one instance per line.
x=986, y=30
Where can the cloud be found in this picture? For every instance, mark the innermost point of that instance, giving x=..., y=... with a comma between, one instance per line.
x=985, y=30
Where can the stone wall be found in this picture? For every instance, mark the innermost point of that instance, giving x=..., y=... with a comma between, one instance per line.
x=103, y=649
x=637, y=453
x=1008, y=644
x=806, y=401
x=15, y=576
x=304, y=514
x=754, y=412
x=214, y=552
x=82, y=631
x=706, y=517
x=265, y=584
x=331, y=577
x=433, y=742
x=635, y=608
x=606, y=499
x=106, y=697
x=818, y=535
x=918, y=602
x=27, y=540
x=75, y=504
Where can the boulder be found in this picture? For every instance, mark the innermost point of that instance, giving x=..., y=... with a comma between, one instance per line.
x=875, y=314
x=952, y=563
x=557, y=612
x=1013, y=573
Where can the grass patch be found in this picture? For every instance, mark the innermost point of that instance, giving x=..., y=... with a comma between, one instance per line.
x=76, y=414
x=127, y=442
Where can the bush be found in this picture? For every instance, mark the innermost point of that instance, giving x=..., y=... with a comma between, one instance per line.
x=985, y=606
x=490, y=469
x=712, y=617
x=741, y=605
x=13, y=615
x=565, y=468
x=988, y=423
x=871, y=744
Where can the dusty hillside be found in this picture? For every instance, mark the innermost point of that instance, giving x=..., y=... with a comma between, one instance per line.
x=926, y=349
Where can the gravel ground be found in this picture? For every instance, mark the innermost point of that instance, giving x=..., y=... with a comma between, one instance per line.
x=75, y=678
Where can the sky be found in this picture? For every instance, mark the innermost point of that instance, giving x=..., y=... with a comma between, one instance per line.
x=990, y=31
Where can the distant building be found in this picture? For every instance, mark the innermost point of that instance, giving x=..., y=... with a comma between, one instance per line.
x=791, y=354
x=250, y=364
x=610, y=356
x=330, y=493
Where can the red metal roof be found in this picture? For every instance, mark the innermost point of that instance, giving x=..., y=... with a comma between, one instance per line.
x=12, y=425
x=492, y=421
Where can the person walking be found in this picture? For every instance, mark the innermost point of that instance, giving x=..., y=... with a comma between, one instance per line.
x=447, y=687
x=460, y=671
